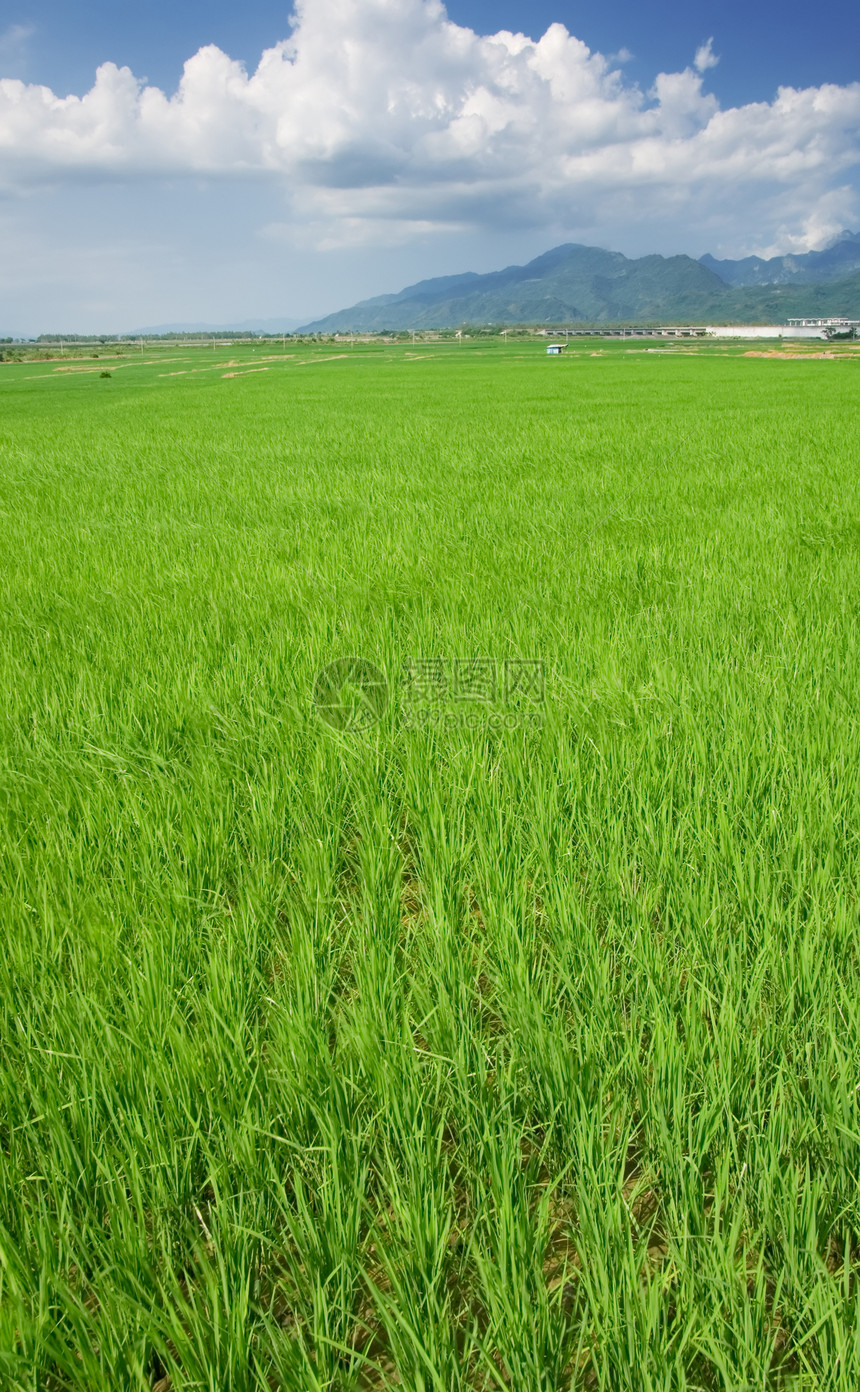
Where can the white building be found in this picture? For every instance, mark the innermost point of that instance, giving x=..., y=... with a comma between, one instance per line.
x=555, y=348
x=795, y=330
x=838, y=325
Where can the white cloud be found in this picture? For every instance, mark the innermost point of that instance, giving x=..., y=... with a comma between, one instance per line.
x=13, y=37
x=705, y=57
x=834, y=211
x=385, y=113
x=14, y=40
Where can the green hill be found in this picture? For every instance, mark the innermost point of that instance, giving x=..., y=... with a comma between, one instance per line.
x=834, y=262
x=773, y=303
x=575, y=283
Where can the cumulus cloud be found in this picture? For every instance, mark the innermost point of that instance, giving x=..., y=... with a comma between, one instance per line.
x=705, y=57
x=385, y=112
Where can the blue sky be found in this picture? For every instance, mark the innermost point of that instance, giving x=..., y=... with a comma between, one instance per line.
x=386, y=144
x=762, y=44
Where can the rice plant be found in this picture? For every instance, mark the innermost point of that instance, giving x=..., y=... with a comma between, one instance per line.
x=491, y=1022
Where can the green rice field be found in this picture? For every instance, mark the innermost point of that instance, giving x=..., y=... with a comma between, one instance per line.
x=430, y=870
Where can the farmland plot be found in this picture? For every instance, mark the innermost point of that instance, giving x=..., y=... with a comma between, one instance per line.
x=430, y=792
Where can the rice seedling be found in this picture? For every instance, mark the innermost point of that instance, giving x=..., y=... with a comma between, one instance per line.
x=489, y=1023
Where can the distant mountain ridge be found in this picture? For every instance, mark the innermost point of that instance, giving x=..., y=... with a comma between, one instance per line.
x=576, y=283
x=836, y=261
x=568, y=283
x=265, y=326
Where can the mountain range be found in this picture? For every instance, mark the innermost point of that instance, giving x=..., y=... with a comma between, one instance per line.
x=264, y=326
x=575, y=283
x=838, y=260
